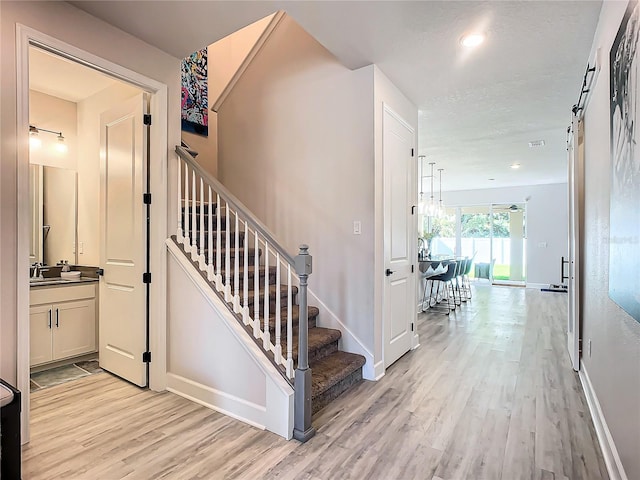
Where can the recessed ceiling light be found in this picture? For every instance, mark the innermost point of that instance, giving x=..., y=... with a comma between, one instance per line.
x=472, y=40
x=536, y=143
x=515, y=166
x=491, y=179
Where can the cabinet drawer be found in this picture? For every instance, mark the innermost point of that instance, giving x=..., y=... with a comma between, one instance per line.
x=61, y=294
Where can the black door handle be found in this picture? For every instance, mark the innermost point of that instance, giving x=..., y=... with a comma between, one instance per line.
x=49, y=318
x=388, y=272
x=563, y=277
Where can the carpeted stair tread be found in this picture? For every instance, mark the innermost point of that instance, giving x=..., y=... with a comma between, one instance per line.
x=320, y=339
x=273, y=292
x=295, y=317
x=330, y=370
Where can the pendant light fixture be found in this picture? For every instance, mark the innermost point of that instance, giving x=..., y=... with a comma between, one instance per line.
x=432, y=206
x=421, y=202
x=440, y=202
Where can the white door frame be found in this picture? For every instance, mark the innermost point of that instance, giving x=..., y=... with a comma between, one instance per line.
x=26, y=36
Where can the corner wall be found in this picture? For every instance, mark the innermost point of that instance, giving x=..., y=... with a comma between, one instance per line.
x=296, y=145
x=614, y=363
x=546, y=223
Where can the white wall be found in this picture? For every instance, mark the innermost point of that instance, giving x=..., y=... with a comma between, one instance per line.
x=224, y=57
x=546, y=223
x=296, y=145
x=614, y=363
x=68, y=24
x=212, y=359
x=53, y=113
x=89, y=111
x=59, y=177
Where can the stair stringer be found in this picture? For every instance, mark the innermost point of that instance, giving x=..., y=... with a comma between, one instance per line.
x=211, y=358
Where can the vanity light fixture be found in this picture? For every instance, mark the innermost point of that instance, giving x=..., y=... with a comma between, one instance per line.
x=34, y=138
x=472, y=40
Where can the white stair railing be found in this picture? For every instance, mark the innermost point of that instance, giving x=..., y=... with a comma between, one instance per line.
x=241, y=260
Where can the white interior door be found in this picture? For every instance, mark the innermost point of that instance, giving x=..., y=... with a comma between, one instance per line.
x=399, y=232
x=123, y=315
x=576, y=185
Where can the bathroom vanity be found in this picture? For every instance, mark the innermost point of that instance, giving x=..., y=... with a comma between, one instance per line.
x=62, y=318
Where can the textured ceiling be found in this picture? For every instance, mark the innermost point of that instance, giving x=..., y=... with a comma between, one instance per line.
x=478, y=109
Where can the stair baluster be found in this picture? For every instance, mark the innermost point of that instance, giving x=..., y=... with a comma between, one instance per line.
x=256, y=289
x=227, y=256
x=201, y=259
x=194, y=243
x=236, y=268
x=179, y=233
x=266, y=335
x=210, y=272
x=245, y=280
x=218, y=244
x=185, y=212
x=278, y=352
x=289, y=364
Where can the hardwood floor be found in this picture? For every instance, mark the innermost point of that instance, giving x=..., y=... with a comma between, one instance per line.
x=490, y=394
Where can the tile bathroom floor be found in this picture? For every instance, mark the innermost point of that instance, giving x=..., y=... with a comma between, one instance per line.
x=64, y=373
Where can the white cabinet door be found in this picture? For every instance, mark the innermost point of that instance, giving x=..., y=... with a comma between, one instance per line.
x=74, y=328
x=40, y=319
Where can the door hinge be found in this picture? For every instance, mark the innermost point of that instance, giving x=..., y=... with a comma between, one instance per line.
x=146, y=277
x=146, y=119
x=412, y=153
x=579, y=345
x=146, y=198
x=146, y=357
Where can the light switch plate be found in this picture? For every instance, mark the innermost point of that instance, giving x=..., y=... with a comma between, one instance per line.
x=357, y=227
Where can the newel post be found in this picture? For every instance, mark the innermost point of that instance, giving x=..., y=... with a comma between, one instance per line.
x=302, y=429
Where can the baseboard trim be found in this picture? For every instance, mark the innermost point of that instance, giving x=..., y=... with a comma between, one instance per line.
x=379, y=370
x=221, y=402
x=609, y=450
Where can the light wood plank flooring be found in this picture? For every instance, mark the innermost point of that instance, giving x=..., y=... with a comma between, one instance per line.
x=489, y=395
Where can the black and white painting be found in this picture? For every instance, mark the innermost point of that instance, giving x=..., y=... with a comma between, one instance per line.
x=624, y=246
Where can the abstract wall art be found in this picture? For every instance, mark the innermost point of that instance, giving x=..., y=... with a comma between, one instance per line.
x=624, y=241
x=195, y=114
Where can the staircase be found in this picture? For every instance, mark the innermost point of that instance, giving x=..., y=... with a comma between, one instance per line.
x=219, y=240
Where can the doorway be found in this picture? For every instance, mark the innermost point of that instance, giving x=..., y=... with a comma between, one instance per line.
x=154, y=179
x=493, y=235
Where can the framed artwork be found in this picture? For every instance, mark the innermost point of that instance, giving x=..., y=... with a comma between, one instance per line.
x=195, y=113
x=624, y=242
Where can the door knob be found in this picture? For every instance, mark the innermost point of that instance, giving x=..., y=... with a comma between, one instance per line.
x=388, y=272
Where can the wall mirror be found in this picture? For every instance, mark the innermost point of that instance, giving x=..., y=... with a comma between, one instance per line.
x=54, y=213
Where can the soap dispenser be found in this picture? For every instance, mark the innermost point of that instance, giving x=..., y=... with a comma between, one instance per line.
x=66, y=267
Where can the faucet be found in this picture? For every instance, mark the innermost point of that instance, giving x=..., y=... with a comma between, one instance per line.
x=36, y=272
